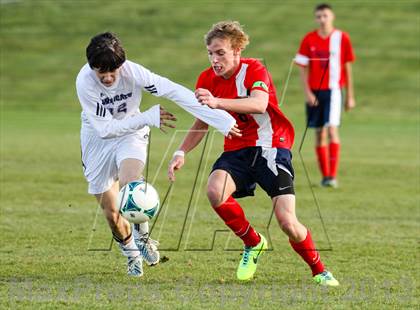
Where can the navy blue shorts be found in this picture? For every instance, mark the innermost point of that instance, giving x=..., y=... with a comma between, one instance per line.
x=271, y=168
x=328, y=110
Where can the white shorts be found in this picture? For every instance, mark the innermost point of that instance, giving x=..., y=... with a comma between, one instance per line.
x=101, y=158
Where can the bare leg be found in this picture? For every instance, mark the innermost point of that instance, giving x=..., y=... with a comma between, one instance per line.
x=284, y=209
x=131, y=170
x=108, y=201
x=321, y=135
x=219, y=187
x=219, y=190
x=299, y=237
x=333, y=135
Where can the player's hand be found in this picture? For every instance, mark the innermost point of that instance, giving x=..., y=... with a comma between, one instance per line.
x=165, y=119
x=234, y=132
x=205, y=97
x=311, y=99
x=350, y=104
x=176, y=163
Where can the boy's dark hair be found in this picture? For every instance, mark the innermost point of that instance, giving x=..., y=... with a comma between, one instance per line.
x=105, y=52
x=323, y=6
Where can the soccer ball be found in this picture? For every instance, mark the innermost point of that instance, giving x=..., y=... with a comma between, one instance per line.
x=138, y=202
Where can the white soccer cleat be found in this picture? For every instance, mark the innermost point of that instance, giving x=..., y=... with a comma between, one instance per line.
x=147, y=246
x=148, y=249
x=329, y=182
x=135, y=266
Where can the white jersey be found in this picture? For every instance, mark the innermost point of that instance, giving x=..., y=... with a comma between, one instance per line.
x=114, y=111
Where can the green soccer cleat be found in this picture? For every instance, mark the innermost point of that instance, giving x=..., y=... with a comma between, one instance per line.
x=326, y=279
x=248, y=264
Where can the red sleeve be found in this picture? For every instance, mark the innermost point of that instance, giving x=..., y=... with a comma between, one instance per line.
x=257, y=78
x=304, y=47
x=348, y=54
x=201, y=81
x=303, y=55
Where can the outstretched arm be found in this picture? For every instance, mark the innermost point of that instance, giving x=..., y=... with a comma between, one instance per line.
x=183, y=97
x=194, y=136
x=191, y=140
x=256, y=103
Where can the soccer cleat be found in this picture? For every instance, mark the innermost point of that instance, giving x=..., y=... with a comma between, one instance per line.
x=147, y=246
x=325, y=182
x=149, y=250
x=248, y=264
x=333, y=183
x=325, y=279
x=135, y=266
x=329, y=182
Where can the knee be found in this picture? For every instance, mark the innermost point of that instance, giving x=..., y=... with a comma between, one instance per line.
x=290, y=228
x=125, y=179
x=286, y=225
x=215, y=195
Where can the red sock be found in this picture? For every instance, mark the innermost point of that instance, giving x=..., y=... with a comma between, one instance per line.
x=334, y=156
x=322, y=154
x=306, y=249
x=231, y=212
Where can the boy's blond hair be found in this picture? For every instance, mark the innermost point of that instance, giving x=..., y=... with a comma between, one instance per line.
x=231, y=30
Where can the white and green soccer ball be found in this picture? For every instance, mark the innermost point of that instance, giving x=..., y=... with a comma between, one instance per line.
x=138, y=202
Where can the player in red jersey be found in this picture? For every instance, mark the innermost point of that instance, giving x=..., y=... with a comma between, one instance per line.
x=325, y=56
x=244, y=88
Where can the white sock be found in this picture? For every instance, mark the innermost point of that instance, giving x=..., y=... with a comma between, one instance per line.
x=144, y=228
x=141, y=230
x=130, y=249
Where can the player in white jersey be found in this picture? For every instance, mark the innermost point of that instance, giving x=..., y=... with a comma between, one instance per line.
x=114, y=133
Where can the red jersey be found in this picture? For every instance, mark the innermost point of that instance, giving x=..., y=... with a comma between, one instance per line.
x=326, y=58
x=269, y=129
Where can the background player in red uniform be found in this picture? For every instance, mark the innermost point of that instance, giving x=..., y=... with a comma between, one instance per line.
x=325, y=57
x=244, y=88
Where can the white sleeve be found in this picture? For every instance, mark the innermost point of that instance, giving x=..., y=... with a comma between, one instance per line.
x=185, y=98
x=302, y=59
x=103, y=122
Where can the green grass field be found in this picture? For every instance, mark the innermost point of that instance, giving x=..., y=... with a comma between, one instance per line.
x=47, y=218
